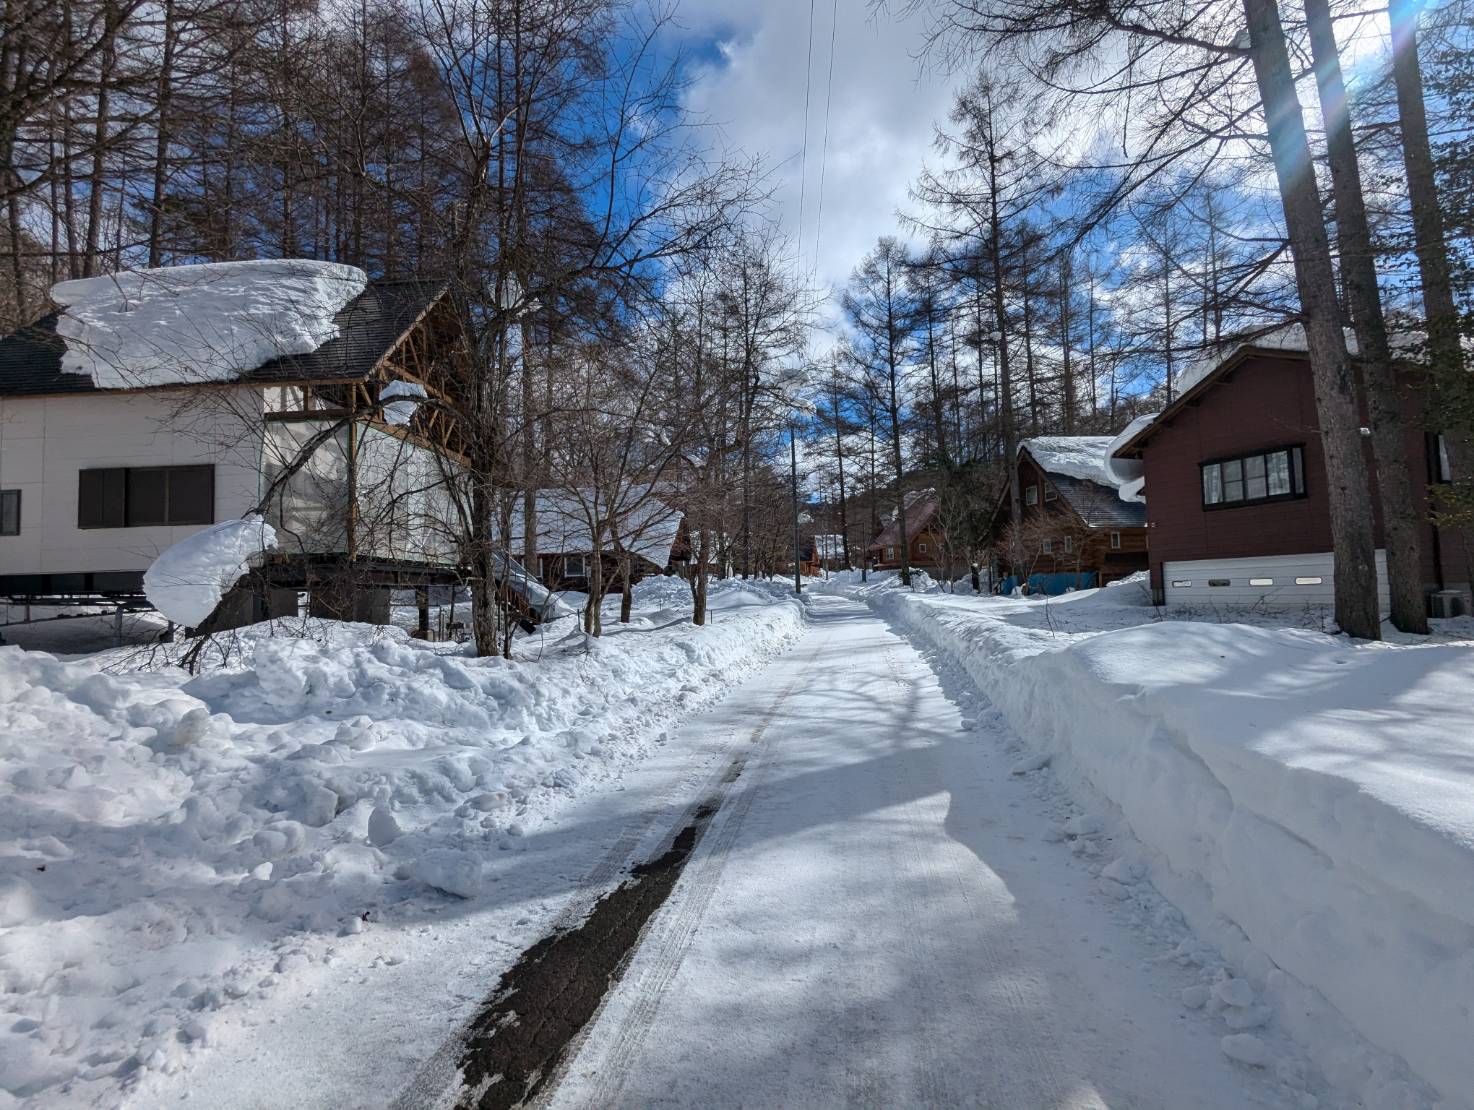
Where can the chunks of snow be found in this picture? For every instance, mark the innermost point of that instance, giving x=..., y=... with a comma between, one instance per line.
x=188, y=579
x=1246, y=1049
x=383, y=829
x=203, y=323
x=401, y=412
x=453, y=872
x=1034, y=762
x=1234, y=992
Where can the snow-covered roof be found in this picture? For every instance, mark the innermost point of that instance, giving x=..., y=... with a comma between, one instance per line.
x=1082, y=457
x=203, y=323
x=648, y=527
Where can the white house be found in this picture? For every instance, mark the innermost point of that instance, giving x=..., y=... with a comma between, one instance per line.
x=157, y=402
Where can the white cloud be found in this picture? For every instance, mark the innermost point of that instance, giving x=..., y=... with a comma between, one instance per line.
x=883, y=110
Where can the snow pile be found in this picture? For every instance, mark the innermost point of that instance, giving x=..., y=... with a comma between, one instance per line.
x=644, y=524
x=1082, y=457
x=189, y=578
x=401, y=412
x=202, y=323
x=1308, y=803
x=175, y=844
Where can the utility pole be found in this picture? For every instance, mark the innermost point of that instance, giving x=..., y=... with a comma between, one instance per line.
x=798, y=582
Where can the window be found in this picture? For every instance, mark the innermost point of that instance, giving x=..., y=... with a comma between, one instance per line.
x=1219, y=582
x=1047, y=547
x=1309, y=580
x=1276, y=475
x=921, y=547
x=1181, y=583
x=1261, y=581
x=1442, y=470
x=890, y=552
x=1069, y=544
x=1115, y=541
x=136, y=497
x=1031, y=495
x=575, y=566
x=1051, y=494
x=9, y=512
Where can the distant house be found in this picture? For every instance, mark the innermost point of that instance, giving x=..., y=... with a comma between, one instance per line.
x=648, y=530
x=821, y=552
x=1236, y=486
x=1078, y=531
x=924, y=535
x=116, y=443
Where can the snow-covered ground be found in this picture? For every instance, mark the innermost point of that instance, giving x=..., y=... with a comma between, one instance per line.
x=1306, y=800
x=178, y=850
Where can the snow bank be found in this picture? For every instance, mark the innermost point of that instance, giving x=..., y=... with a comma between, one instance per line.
x=1309, y=803
x=171, y=842
x=208, y=322
x=189, y=578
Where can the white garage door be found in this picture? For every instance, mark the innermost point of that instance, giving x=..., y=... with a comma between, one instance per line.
x=1273, y=580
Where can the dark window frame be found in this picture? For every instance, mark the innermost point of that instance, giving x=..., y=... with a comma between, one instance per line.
x=99, y=484
x=7, y=493
x=1298, y=488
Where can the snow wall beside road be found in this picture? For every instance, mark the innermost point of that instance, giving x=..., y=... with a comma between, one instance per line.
x=1309, y=803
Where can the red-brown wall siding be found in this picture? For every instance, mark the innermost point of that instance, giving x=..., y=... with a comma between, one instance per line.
x=1265, y=402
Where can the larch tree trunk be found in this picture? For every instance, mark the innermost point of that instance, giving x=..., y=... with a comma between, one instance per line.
x=1315, y=279
x=1379, y=381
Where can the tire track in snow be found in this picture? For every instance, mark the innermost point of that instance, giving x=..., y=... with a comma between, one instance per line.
x=669, y=936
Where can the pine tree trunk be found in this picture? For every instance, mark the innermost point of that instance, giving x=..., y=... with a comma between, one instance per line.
x=1379, y=381
x=1335, y=388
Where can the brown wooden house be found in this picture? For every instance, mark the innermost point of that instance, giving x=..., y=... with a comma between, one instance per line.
x=1236, y=487
x=1077, y=531
x=924, y=537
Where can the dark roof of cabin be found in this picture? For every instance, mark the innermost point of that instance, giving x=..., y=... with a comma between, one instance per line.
x=368, y=328
x=1099, y=506
x=921, y=508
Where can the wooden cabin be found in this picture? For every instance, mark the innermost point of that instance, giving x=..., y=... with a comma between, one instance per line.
x=1077, y=531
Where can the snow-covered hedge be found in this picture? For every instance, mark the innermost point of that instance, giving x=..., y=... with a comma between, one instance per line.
x=1309, y=802
x=163, y=832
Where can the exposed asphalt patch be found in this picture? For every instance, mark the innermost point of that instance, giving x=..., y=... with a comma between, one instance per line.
x=514, y=1045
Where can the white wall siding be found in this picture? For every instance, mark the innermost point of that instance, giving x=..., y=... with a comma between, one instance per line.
x=1268, y=581
x=46, y=441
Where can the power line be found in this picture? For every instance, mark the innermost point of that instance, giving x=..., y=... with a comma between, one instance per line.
x=824, y=150
x=803, y=157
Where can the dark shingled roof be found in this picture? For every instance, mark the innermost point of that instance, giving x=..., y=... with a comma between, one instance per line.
x=1099, y=506
x=368, y=327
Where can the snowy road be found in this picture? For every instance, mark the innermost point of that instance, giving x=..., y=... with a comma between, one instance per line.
x=874, y=918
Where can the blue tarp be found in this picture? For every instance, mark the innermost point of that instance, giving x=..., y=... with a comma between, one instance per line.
x=1051, y=585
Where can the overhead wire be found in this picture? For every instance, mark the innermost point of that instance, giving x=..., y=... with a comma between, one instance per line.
x=824, y=149
x=803, y=157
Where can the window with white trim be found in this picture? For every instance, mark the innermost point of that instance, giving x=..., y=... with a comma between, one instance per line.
x=1047, y=547
x=1031, y=495
x=575, y=566
x=1069, y=545
x=1115, y=541
x=921, y=547
x=1277, y=475
x=1051, y=494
